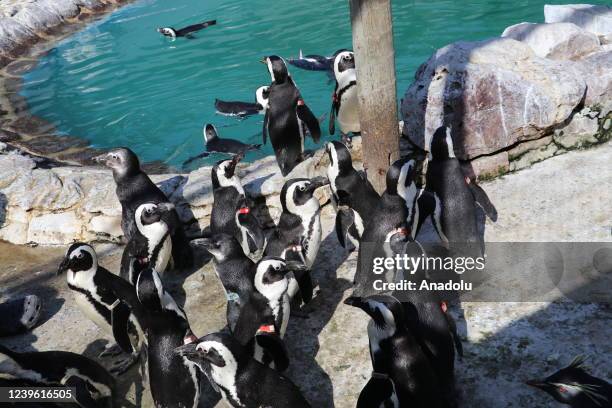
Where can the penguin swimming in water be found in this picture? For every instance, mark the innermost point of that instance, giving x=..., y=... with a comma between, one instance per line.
x=235, y=271
x=287, y=117
x=134, y=188
x=92, y=383
x=396, y=353
x=243, y=381
x=151, y=245
x=575, y=387
x=244, y=109
x=214, y=144
x=173, y=380
x=230, y=213
x=345, y=105
x=185, y=31
x=19, y=315
x=315, y=62
x=351, y=189
x=299, y=227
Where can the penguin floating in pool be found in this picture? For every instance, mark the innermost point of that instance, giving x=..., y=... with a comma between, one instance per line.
x=244, y=109
x=186, y=31
x=214, y=144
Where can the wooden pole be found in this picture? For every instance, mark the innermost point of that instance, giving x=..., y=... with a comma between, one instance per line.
x=375, y=68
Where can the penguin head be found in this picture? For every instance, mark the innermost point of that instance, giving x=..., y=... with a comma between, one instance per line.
x=262, y=94
x=151, y=220
x=220, y=246
x=270, y=279
x=339, y=157
x=277, y=68
x=224, y=173
x=80, y=257
x=297, y=195
x=401, y=176
x=442, y=144
x=167, y=31
x=344, y=61
x=571, y=384
x=122, y=161
x=210, y=133
x=217, y=351
x=386, y=311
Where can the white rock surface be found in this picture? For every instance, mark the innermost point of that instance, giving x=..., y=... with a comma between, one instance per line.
x=596, y=19
x=559, y=41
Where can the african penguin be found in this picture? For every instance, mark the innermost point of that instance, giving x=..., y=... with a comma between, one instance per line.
x=379, y=392
x=396, y=353
x=575, y=387
x=173, y=380
x=19, y=314
x=244, y=109
x=92, y=288
x=351, y=189
x=151, y=244
x=214, y=144
x=134, y=187
x=185, y=31
x=92, y=383
x=299, y=227
x=287, y=117
x=235, y=271
x=242, y=381
x=345, y=104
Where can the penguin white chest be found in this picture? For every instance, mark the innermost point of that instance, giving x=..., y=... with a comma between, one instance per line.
x=348, y=114
x=89, y=310
x=164, y=255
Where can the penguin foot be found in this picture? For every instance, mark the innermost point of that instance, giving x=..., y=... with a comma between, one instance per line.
x=121, y=366
x=110, y=350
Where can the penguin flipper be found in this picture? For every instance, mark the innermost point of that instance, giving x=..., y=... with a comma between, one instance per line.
x=377, y=390
x=344, y=221
x=275, y=347
x=265, y=128
x=305, y=115
x=82, y=396
x=120, y=316
x=480, y=196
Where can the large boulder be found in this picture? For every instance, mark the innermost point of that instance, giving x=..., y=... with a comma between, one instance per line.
x=492, y=93
x=560, y=41
x=596, y=19
x=596, y=71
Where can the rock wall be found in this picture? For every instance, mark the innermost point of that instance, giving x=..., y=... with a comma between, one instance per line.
x=538, y=91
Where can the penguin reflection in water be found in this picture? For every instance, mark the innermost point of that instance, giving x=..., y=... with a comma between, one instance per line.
x=242, y=381
x=575, y=387
x=92, y=287
x=94, y=386
x=287, y=118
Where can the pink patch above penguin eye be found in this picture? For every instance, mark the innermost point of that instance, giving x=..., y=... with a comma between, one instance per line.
x=190, y=338
x=443, y=306
x=300, y=102
x=562, y=389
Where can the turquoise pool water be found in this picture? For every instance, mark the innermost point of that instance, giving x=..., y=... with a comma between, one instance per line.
x=120, y=83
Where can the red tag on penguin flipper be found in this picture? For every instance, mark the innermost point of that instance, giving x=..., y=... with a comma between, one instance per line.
x=244, y=210
x=269, y=328
x=443, y=306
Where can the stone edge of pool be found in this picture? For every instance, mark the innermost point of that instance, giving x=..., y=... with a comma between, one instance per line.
x=538, y=91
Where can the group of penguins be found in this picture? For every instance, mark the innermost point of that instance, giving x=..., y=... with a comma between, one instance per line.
x=267, y=278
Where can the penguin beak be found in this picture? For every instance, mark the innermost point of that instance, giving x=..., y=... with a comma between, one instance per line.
x=318, y=182
x=207, y=243
x=159, y=30
x=295, y=266
x=63, y=266
x=165, y=207
x=100, y=159
x=354, y=301
x=232, y=166
x=189, y=351
x=535, y=383
x=264, y=60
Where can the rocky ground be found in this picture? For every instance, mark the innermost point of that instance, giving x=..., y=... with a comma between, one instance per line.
x=565, y=198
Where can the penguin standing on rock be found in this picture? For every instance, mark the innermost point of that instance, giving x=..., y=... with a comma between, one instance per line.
x=173, y=380
x=299, y=230
x=151, y=244
x=92, y=383
x=235, y=271
x=351, y=189
x=242, y=381
x=345, y=104
x=134, y=187
x=92, y=286
x=214, y=144
x=287, y=117
x=575, y=387
x=185, y=31
x=396, y=354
